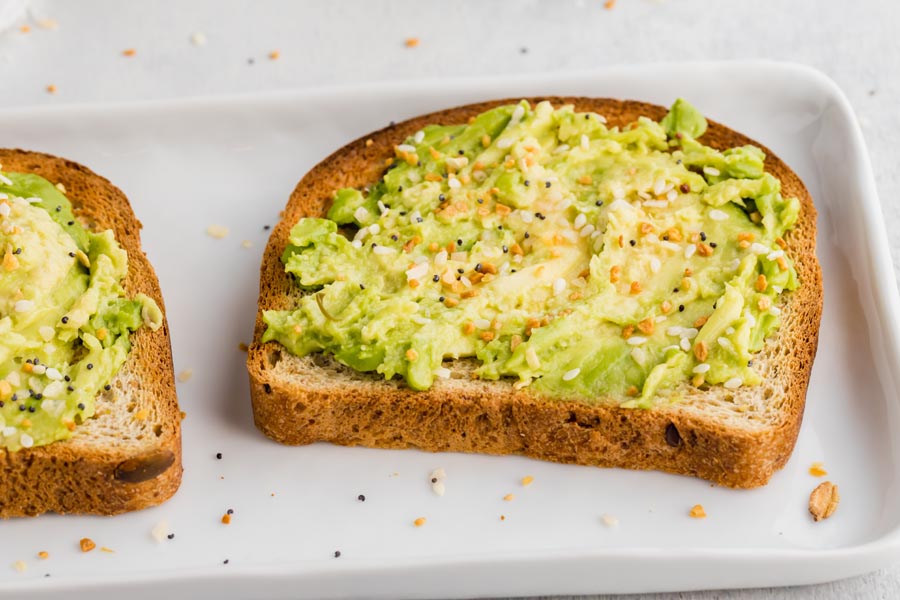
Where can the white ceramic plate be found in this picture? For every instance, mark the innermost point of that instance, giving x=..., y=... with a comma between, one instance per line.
x=188, y=164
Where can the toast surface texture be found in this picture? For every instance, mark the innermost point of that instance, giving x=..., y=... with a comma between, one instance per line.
x=128, y=456
x=735, y=438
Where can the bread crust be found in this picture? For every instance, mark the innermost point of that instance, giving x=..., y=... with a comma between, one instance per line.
x=316, y=399
x=80, y=475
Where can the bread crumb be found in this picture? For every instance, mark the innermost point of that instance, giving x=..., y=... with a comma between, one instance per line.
x=246, y=244
x=243, y=347
x=51, y=89
x=217, y=231
x=817, y=469
x=697, y=512
x=87, y=544
x=160, y=531
x=527, y=480
x=502, y=517
x=129, y=52
x=25, y=28
x=226, y=518
x=609, y=520
x=823, y=500
x=107, y=550
x=20, y=565
x=274, y=55
x=508, y=497
x=419, y=522
x=43, y=555
x=50, y=24
x=185, y=375
x=198, y=38
x=411, y=42
x=369, y=143
x=609, y=4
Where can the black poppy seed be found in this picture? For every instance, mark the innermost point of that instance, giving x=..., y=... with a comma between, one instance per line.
x=107, y=387
x=28, y=361
x=632, y=242
x=230, y=511
x=527, y=183
x=681, y=308
x=440, y=299
x=38, y=396
x=685, y=188
x=394, y=237
x=527, y=235
x=90, y=366
x=267, y=227
x=219, y=455
x=81, y=406
x=459, y=242
x=225, y=562
x=675, y=291
x=392, y=123
x=37, y=361
x=15, y=397
x=547, y=184
x=540, y=216
x=67, y=378
x=599, y=203
x=2, y=403
x=419, y=219
x=22, y=407
x=702, y=236
x=171, y=536
x=71, y=255
x=70, y=223
x=479, y=200
x=500, y=227
x=374, y=244
x=442, y=197
x=268, y=388
x=31, y=409
x=749, y=363
x=666, y=237
x=460, y=271
x=513, y=271
x=65, y=320
x=587, y=116
x=714, y=304
x=361, y=497
x=58, y=208
x=436, y=278
x=400, y=189
x=18, y=251
x=478, y=268
x=362, y=287
x=505, y=249
x=337, y=553
x=678, y=162
x=402, y=213
x=70, y=388
x=31, y=393
x=713, y=245
x=434, y=480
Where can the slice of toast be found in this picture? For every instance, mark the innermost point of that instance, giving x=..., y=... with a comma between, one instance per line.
x=129, y=455
x=736, y=438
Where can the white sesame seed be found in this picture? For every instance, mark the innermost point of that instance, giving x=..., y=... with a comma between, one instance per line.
x=597, y=233
x=690, y=332
x=459, y=256
x=198, y=38
x=39, y=369
x=383, y=250
x=670, y=245
x=24, y=306
x=566, y=203
x=718, y=215
x=406, y=148
x=689, y=250
x=381, y=208
x=559, y=285
x=14, y=379
x=751, y=320
x=361, y=214
x=620, y=204
x=481, y=323
x=659, y=186
x=636, y=340
x=442, y=373
x=586, y=230
x=569, y=235
x=729, y=330
x=638, y=355
x=660, y=318
x=46, y=332
x=160, y=531
x=725, y=343
x=570, y=375
x=20, y=566
x=672, y=195
x=440, y=259
x=374, y=228
x=526, y=216
x=438, y=488
x=4, y=210
x=419, y=136
x=419, y=320
x=454, y=183
x=417, y=272
x=54, y=374
x=733, y=266
x=465, y=281
x=585, y=142
x=733, y=383
x=580, y=221
x=9, y=431
x=774, y=310
x=26, y=440
x=5, y=180
x=655, y=264
x=532, y=359
x=504, y=143
x=609, y=520
x=356, y=243
x=701, y=368
x=420, y=259
x=711, y=171
x=561, y=148
x=440, y=474
x=775, y=255
x=217, y=231
x=674, y=331
x=53, y=389
x=685, y=344
x=518, y=113
x=757, y=248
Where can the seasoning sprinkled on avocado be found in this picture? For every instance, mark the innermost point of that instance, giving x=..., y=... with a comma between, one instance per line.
x=583, y=260
x=64, y=317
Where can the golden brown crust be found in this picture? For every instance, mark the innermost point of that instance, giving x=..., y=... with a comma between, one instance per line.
x=79, y=475
x=350, y=408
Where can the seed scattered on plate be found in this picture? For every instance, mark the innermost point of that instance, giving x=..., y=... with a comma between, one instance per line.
x=697, y=512
x=51, y=89
x=508, y=497
x=527, y=480
x=86, y=544
x=274, y=55
x=20, y=565
x=823, y=500
x=419, y=522
x=160, y=531
x=217, y=231
x=107, y=550
x=609, y=520
x=198, y=38
x=129, y=52
x=43, y=555
x=50, y=24
x=437, y=481
x=411, y=42
x=246, y=244
x=185, y=375
x=817, y=469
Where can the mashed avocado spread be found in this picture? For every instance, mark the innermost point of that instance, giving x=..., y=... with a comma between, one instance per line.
x=583, y=260
x=64, y=318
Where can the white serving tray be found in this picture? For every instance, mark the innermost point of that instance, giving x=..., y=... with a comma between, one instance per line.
x=189, y=164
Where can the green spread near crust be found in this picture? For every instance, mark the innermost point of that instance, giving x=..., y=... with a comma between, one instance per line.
x=585, y=261
x=64, y=317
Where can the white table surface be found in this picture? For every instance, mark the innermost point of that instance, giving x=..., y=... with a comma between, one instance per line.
x=325, y=43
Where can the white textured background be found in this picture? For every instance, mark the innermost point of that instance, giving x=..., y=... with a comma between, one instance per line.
x=335, y=42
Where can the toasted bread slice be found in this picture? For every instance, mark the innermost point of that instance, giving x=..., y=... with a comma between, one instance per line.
x=128, y=456
x=736, y=438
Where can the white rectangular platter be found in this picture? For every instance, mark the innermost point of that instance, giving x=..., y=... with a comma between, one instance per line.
x=186, y=165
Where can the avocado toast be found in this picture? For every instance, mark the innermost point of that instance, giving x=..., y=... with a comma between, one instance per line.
x=87, y=397
x=618, y=293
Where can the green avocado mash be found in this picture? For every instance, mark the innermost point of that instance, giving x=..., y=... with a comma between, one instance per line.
x=583, y=260
x=64, y=319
